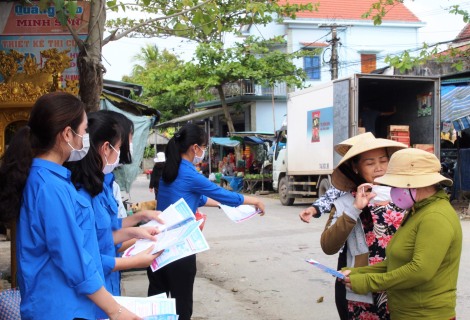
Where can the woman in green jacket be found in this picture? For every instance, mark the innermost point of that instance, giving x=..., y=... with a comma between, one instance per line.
x=422, y=265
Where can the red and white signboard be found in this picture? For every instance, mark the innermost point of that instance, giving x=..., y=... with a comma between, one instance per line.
x=30, y=30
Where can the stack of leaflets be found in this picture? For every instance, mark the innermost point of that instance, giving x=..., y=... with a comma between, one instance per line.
x=326, y=269
x=157, y=307
x=179, y=237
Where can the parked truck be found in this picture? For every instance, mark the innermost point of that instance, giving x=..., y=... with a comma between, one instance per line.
x=322, y=116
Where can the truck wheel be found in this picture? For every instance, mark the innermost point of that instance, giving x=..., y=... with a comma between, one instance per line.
x=283, y=196
x=323, y=187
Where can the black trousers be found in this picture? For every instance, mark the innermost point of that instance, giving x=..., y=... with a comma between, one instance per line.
x=177, y=280
x=340, y=289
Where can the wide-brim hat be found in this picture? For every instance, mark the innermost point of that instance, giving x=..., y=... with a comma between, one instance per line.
x=344, y=146
x=160, y=157
x=339, y=179
x=413, y=168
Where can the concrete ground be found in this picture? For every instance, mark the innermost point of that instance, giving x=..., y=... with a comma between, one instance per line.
x=247, y=289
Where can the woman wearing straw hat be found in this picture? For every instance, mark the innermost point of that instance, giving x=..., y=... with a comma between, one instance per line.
x=323, y=204
x=359, y=226
x=421, y=270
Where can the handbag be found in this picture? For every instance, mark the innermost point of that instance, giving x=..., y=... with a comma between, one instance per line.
x=201, y=216
x=10, y=304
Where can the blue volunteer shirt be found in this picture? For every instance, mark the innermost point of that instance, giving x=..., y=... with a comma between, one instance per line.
x=106, y=221
x=194, y=188
x=57, y=251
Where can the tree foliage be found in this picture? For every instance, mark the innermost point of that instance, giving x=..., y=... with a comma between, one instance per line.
x=157, y=74
x=202, y=21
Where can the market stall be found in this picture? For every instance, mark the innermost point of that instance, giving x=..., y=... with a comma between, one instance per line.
x=455, y=114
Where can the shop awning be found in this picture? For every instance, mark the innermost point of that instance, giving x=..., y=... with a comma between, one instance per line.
x=455, y=106
x=198, y=115
x=253, y=137
x=226, y=142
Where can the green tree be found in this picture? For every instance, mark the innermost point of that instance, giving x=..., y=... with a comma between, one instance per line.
x=157, y=73
x=192, y=19
x=263, y=61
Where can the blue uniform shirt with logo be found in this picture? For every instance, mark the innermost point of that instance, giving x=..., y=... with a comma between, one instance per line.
x=57, y=249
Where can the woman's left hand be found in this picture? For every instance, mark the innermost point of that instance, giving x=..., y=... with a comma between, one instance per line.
x=363, y=196
x=346, y=280
x=148, y=215
x=145, y=233
x=260, y=206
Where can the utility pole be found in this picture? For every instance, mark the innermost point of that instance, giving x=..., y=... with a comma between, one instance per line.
x=334, y=53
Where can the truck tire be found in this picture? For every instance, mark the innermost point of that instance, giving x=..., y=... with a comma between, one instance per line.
x=283, y=196
x=323, y=187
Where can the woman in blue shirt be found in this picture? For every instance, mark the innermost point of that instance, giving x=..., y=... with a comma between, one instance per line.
x=181, y=180
x=59, y=270
x=93, y=178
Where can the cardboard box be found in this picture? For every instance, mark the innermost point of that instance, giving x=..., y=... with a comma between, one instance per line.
x=425, y=147
x=398, y=128
x=404, y=140
x=399, y=133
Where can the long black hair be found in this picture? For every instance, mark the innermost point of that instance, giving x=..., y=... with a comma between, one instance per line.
x=188, y=135
x=51, y=114
x=88, y=172
x=127, y=128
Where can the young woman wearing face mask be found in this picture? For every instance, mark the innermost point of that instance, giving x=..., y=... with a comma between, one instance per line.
x=125, y=157
x=59, y=267
x=361, y=227
x=181, y=180
x=91, y=177
x=421, y=270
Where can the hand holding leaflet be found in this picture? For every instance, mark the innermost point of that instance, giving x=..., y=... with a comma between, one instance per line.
x=165, y=239
x=174, y=216
x=240, y=213
x=179, y=237
x=333, y=272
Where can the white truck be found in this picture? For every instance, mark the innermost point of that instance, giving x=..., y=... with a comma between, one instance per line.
x=322, y=116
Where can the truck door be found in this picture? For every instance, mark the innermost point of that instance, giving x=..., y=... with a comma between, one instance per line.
x=279, y=157
x=343, y=120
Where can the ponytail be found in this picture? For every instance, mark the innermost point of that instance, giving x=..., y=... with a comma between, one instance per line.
x=188, y=135
x=172, y=163
x=14, y=169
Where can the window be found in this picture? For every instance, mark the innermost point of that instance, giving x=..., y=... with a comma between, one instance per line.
x=312, y=67
x=368, y=63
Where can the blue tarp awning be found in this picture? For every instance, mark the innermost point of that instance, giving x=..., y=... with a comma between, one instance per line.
x=253, y=139
x=455, y=106
x=226, y=142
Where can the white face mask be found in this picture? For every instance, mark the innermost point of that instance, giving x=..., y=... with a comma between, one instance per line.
x=109, y=167
x=131, y=149
x=382, y=194
x=77, y=155
x=197, y=159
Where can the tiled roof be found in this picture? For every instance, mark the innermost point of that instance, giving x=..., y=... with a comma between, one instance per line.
x=464, y=34
x=464, y=49
x=352, y=10
x=314, y=44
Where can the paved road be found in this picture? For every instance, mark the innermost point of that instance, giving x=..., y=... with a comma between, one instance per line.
x=255, y=269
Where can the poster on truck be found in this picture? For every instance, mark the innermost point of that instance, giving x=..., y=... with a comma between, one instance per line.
x=320, y=131
x=28, y=29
